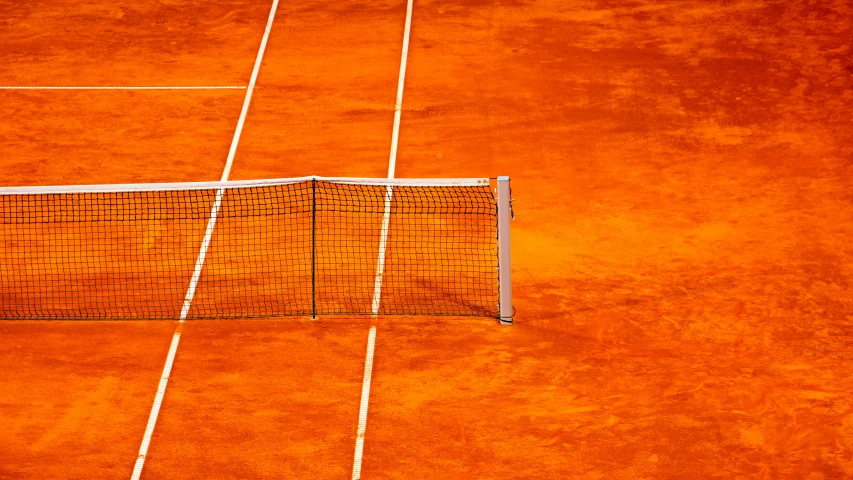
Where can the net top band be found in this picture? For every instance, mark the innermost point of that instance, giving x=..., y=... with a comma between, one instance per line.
x=232, y=184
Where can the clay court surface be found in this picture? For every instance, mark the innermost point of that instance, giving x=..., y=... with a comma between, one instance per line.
x=683, y=271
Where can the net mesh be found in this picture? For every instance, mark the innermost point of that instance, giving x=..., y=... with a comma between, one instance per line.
x=295, y=248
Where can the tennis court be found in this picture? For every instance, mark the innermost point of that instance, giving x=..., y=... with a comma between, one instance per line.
x=681, y=266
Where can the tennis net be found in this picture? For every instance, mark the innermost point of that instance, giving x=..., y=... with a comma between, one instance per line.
x=261, y=248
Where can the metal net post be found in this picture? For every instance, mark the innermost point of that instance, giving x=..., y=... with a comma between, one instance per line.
x=504, y=264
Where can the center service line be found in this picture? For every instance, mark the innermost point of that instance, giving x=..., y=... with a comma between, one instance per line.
x=176, y=338
x=380, y=264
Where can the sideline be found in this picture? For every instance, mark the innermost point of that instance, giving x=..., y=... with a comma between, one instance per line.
x=383, y=239
x=176, y=338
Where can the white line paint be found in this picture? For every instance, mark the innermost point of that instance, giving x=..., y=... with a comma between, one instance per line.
x=129, y=87
x=229, y=184
x=164, y=378
x=392, y=164
x=239, y=130
x=158, y=401
x=211, y=223
x=398, y=106
x=365, y=395
x=202, y=253
x=383, y=240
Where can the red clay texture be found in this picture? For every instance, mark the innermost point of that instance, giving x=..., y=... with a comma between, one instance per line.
x=75, y=395
x=681, y=174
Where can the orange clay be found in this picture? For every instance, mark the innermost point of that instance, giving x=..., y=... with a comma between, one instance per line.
x=682, y=179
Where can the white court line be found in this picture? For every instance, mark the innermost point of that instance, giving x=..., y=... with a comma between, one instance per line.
x=398, y=106
x=202, y=253
x=392, y=163
x=383, y=239
x=158, y=401
x=164, y=379
x=242, y=120
x=365, y=394
x=383, y=242
x=130, y=87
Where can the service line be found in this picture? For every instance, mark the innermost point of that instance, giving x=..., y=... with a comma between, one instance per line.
x=128, y=87
x=164, y=378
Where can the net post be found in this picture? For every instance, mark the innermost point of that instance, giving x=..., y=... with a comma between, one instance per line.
x=313, y=248
x=504, y=264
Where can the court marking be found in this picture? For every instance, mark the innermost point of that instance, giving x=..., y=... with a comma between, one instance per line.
x=392, y=163
x=242, y=120
x=129, y=87
x=383, y=241
x=164, y=378
x=158, y=401
x=365, y=395
x=398, y=106
x=202, y=254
